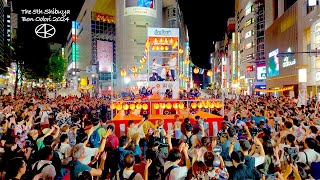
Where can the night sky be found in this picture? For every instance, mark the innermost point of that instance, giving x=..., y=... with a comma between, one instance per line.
x=206, y=22
x=209, y=12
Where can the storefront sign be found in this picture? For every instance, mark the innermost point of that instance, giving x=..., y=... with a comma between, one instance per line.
x=261, y=72
x=249, y=68
x=163, y=32
x=288, y=60
x=273, y=63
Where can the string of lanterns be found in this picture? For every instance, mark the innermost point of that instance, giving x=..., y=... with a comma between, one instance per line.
x=274, y=90
x=181, y=105
x=158, y=44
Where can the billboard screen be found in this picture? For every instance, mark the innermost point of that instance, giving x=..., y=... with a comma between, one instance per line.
x=261, y=72
x=273, y=64
x=140, y=7
x=105, y=55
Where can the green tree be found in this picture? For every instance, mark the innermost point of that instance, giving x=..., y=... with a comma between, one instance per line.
x=56, y=68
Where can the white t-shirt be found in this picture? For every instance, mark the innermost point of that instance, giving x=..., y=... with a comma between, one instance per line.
x=258, y=159
x=312, y=156
x=127, y=173
x=89, y=153
x=172, y=63
x=179, y=173
x=44, y=116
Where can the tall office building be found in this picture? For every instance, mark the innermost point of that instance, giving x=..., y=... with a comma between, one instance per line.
x=90, y=47
x=111, y=34
x=250, y=38
x=2, y=28
x=133, y=20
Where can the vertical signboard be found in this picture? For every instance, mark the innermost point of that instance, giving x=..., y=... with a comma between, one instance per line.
x=105, y=55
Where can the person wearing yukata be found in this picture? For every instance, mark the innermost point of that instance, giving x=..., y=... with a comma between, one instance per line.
x=155, y=67
x=172, y=64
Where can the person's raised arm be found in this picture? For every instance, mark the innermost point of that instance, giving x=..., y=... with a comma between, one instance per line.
x=47, y=134
x=104, y=140
x=186, y=157
x=89, y=134
x=57, y=131
x=231, y=147
x=98, y=172
x=296, y=172
x=257, y=142
x=146, y=168
x=202, y=130
x=169, y=142
x=248, y=132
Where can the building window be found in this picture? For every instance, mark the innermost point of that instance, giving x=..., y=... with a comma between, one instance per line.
x=311, y=8
x=249, y=45
x=250, y=56
x=288, y=4
x=249, y=10
x=249, y=22
x=248, y=34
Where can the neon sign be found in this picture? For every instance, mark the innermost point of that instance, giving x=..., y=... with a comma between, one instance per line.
x=288, y=60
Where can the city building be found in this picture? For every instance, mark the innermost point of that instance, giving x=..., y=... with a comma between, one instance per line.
x=2, y=28
x=249, y=40
x=103, y=41
x=292, y=42
x=90, y=48
x=228, y=61
x=216, y=65
x=223, y=62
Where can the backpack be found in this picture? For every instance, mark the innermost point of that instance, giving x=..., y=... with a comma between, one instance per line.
x=94, y=139
x=33, y=172
x=133, y=174
x=109, y=140
x=188, y=141
x=315, y=166
x=116, y=165
x=156, y=168
x=164, y=177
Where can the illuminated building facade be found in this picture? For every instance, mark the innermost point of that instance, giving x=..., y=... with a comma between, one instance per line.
x=109, y=35
x=250, y=43
x=90, y=48
x=293, y=27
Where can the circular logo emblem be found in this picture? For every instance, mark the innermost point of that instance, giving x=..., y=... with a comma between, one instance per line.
x=45, y=30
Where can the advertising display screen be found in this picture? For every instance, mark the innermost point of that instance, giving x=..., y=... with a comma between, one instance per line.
x=140, y=7
x=105, y=55
x=261, y=72
x=273, y=64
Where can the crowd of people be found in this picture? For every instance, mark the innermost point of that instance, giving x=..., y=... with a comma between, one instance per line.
x=66, y=138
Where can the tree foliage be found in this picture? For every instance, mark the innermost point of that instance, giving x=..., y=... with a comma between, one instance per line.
x=56, y=68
